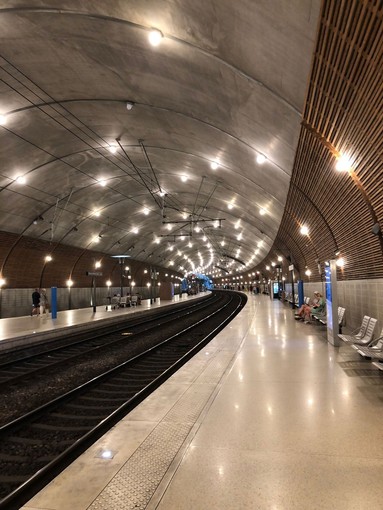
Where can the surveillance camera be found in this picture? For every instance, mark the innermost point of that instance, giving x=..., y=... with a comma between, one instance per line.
x=376, y=229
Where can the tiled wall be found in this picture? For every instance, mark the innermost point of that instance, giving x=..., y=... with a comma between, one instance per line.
x=359, y=297
x=18, y=302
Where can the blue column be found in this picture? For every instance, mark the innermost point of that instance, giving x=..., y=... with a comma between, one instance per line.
x=301, y=296
x=54, y=302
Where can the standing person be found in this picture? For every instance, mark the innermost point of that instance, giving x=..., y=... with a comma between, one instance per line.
x=35, y=302
x=43, y=301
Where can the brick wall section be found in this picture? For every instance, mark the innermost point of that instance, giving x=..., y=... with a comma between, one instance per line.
x=22, y=260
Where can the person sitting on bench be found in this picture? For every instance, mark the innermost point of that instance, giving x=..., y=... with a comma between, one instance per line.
x=317, y=307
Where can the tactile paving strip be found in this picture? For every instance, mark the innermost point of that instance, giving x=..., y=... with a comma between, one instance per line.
x=216, y=368
x=136, y=482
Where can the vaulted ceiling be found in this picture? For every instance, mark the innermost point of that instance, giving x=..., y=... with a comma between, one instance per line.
x=208, y=151
x=109, y=143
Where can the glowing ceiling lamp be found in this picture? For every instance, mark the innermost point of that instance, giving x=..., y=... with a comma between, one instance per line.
x=155, y=37
x=261, y=158
x=20, y=179
x=343, y=163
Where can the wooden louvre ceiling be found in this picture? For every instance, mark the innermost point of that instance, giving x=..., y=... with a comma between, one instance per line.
x=343, y=115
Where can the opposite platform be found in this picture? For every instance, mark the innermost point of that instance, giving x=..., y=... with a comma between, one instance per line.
x=21, y=331
x=268, y=416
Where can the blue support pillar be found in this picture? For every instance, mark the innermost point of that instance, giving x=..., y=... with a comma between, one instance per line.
x=54, y=302
x=301, y=296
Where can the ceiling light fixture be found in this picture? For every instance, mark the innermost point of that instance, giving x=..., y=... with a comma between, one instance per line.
x=3, y=120
x=304, y=230
x=343, y=163
x=129, y=105
x=20, y=179
x=261, y=159
x=214, y=165
x=38, y=220
x=155, y=37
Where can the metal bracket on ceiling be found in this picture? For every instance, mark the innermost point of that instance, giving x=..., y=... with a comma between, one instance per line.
x=222, y=269
x=234, y=258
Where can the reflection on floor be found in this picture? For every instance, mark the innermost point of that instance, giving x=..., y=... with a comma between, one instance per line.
x=266, y=417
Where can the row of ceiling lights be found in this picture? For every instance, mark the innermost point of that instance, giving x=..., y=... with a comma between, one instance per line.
x=155, y=38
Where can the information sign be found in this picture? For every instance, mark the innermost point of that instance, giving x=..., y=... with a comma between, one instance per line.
x=332, y=303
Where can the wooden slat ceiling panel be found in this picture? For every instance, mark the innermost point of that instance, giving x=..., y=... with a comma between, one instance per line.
x=343, y=114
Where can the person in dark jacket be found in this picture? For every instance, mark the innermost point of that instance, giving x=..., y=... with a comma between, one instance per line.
x=35, y=302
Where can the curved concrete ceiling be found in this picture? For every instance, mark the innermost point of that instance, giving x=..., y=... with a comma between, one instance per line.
x=106, y=128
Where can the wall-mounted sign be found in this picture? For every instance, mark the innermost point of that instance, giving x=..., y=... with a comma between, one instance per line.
x=291, y=268
x=93, y=273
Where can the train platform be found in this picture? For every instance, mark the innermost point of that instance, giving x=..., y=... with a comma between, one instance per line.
x=16, y=332
x=268, y=416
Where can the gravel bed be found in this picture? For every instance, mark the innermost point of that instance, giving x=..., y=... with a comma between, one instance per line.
x=24, y=397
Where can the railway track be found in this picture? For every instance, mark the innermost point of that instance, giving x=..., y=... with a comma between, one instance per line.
x=22, y=366
x=36, y=446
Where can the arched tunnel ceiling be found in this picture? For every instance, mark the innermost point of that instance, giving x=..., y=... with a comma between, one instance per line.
x=226, y=84
x=342, y=123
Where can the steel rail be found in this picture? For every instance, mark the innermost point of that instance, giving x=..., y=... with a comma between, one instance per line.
x=30, y=486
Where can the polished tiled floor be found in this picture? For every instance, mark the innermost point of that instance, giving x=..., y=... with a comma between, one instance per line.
x=268, y=416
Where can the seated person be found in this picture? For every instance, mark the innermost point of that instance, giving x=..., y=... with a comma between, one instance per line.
x=317, y=307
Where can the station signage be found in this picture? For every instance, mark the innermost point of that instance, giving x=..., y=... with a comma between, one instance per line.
x=93, y=273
